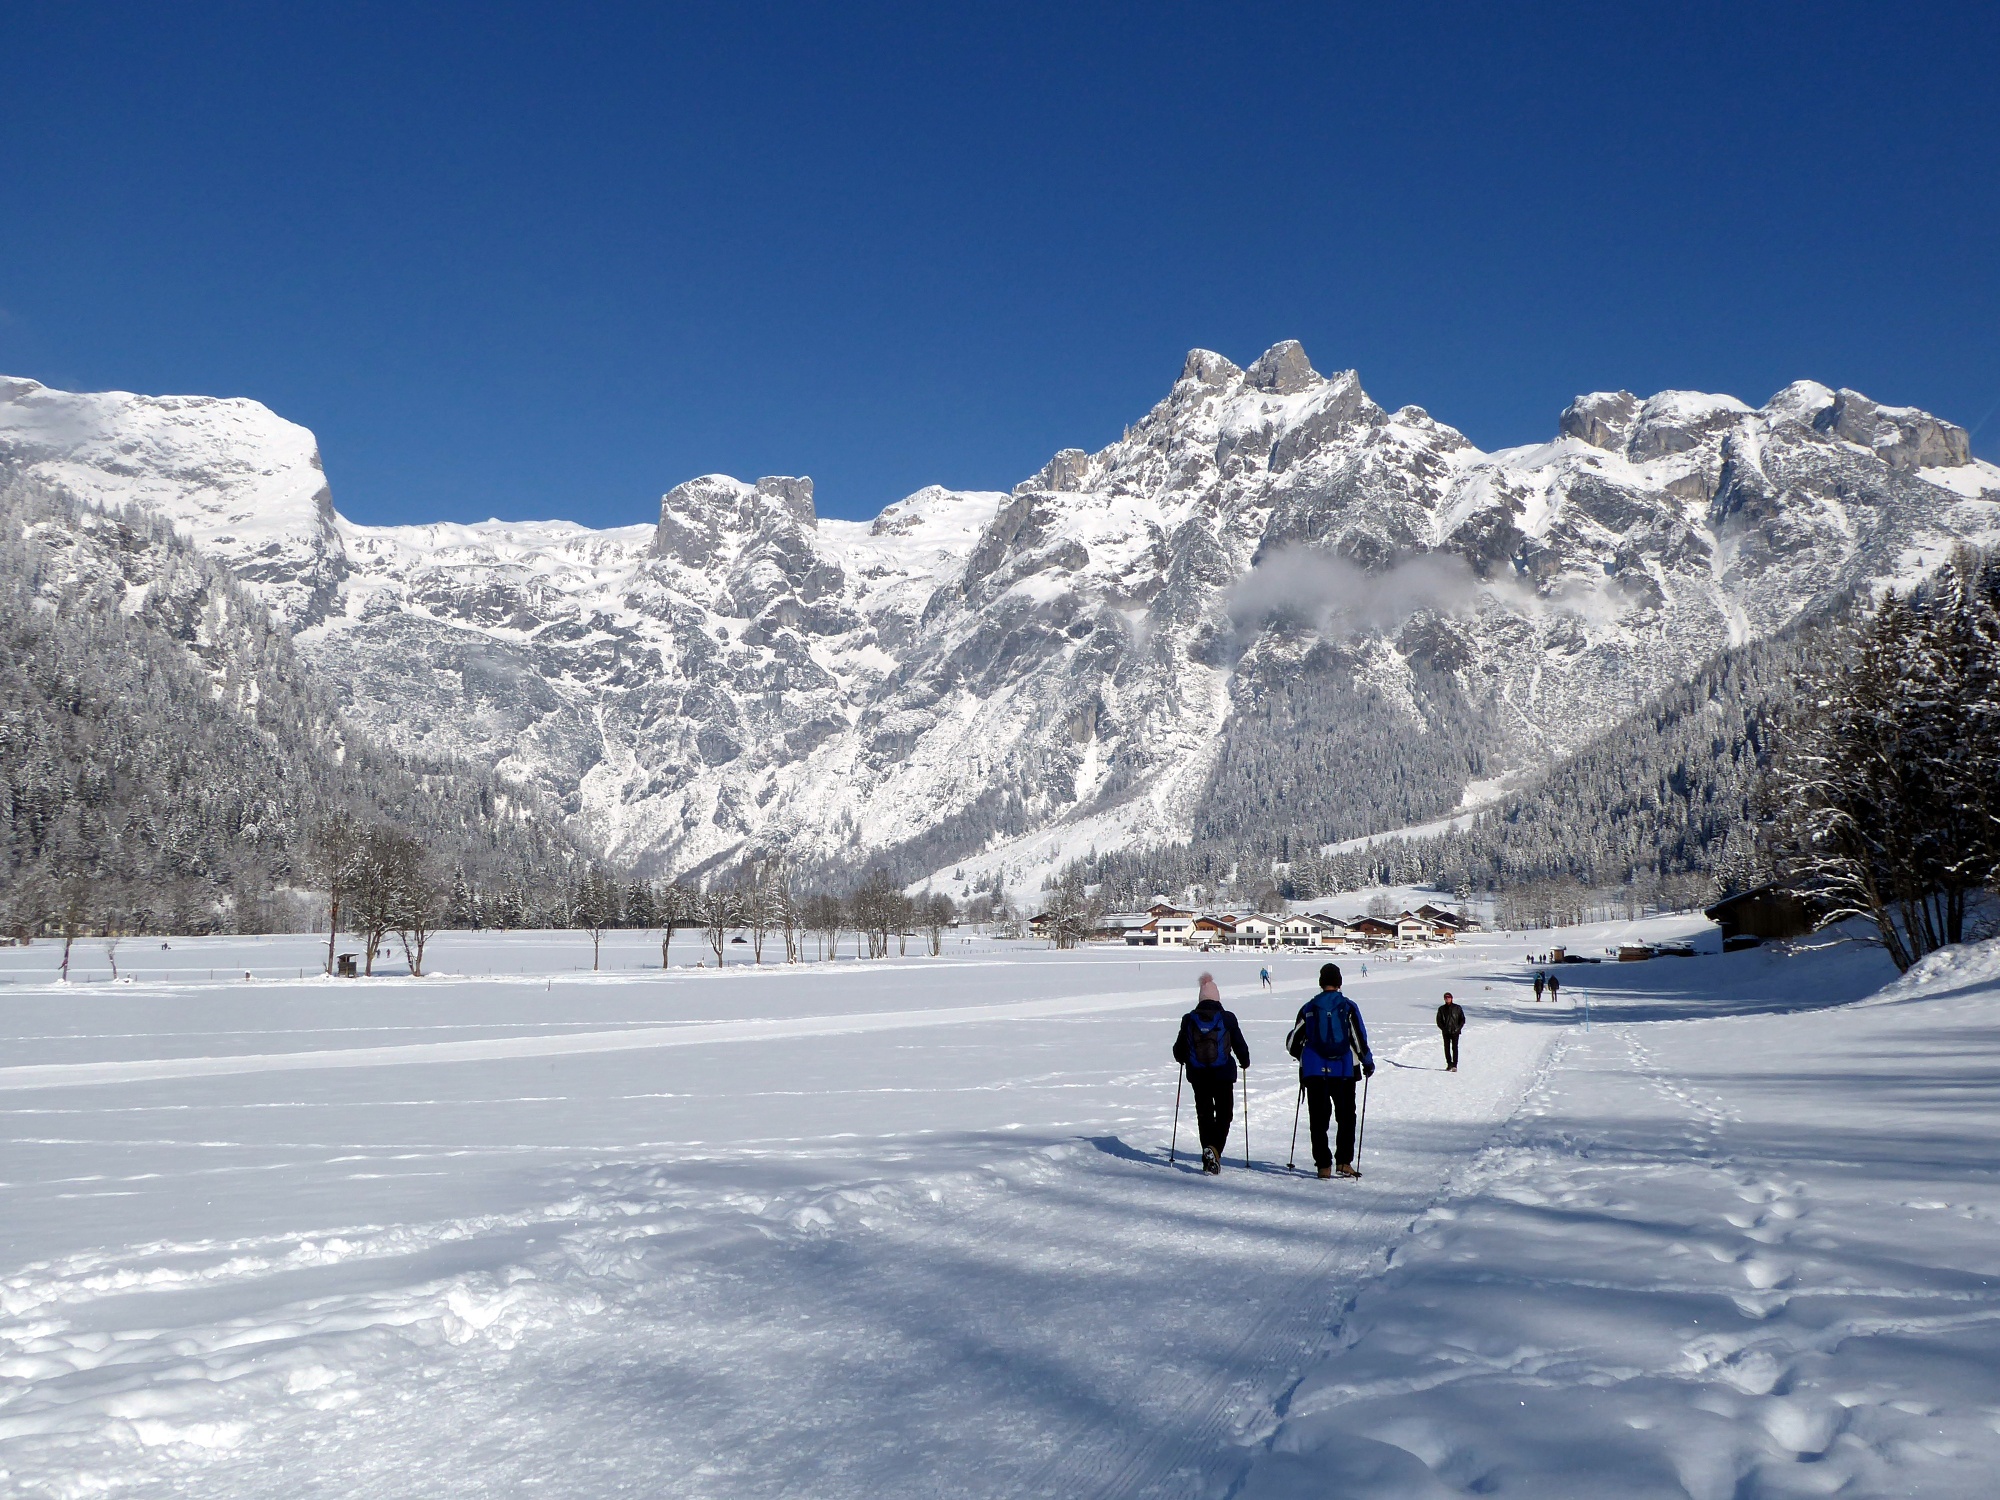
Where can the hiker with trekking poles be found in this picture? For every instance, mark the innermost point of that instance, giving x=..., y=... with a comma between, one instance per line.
x=1331, y=1044
x=1208, y=1049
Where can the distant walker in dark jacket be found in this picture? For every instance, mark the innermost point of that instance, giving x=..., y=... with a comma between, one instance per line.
x=1328, y=1039
x=1210, y=1046
x=1451, y=1021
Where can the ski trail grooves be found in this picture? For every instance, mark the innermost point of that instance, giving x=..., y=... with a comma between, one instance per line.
x=1188, y=1430
x=491, y=1049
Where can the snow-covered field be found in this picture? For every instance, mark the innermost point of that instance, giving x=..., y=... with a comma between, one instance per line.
x=908, y=1228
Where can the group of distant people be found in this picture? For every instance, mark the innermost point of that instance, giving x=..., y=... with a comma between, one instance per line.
x=1328, y=1039
x=1551, y=981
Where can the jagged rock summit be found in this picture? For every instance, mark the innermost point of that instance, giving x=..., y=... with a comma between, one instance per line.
x=1270, y=602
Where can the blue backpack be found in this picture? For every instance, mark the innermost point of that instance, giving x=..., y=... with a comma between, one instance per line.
x=1324, y=1030
x=1209, y=1047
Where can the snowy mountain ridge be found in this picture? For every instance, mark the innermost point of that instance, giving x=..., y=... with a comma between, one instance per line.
x=990, y=683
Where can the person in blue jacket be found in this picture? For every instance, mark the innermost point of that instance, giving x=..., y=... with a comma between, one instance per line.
x=1331, y=1045
x=1209, y=1047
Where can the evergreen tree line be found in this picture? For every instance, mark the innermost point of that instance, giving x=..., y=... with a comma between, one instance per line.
x=164, y=759
x=1883, y=799
x=1315, y=755
x=1660, y=811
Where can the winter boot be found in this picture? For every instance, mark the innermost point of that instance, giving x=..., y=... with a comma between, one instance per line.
x=1208, y=1161
x=1347, y=1169
x=1325, y=1173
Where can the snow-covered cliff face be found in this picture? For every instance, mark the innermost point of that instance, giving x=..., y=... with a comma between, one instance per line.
x=986, y=681
x=238, y=480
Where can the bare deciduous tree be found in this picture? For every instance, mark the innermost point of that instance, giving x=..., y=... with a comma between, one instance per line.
x=720, y=910
x=74, y=913
x=336, y=843
x=790, y=918
x=595, y=908
x=825, y=915
x=419, y=901
x=674, y=907
x=371, y=890
x=759, y=913
x=875, y=912
x=935, y=912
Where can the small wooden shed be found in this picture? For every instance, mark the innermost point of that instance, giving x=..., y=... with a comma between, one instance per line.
x=1766, y=911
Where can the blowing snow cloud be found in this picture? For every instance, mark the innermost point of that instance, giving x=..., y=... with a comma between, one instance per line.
x=1338, y=597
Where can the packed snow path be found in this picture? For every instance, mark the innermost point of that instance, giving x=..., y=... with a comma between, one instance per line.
x=909, y=1228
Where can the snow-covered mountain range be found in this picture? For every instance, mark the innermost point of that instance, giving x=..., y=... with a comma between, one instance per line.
x=985, y=683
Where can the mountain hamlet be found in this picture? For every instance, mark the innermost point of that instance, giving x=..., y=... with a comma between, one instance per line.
x=1273, y=638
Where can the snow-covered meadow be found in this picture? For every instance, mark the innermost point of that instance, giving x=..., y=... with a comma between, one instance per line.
x=908, y=1227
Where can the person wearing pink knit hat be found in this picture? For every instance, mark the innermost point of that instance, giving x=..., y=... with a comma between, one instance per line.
x=1209, y=1048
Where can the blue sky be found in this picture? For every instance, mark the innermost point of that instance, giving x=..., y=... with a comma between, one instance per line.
x=540, y=261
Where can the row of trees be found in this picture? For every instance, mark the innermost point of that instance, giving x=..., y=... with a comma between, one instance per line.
x=377, y=882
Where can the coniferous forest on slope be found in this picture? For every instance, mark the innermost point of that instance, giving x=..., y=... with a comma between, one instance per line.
x=163, y=758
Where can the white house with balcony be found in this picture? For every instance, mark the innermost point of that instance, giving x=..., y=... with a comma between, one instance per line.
x=1176, y=931
x=1301, y=930
x=1257, y=931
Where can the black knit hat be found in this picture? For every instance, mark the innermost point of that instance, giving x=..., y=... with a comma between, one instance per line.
x=1329, y=976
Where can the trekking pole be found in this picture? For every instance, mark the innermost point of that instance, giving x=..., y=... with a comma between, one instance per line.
x=1246, y=1114
x=1180, y=1076
x=1361, y=1127
x=1292, y=1155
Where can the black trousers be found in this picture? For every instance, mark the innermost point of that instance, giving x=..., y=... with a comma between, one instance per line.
x=1214, y=1091
x=1335, y=1097
x=1451, y=1049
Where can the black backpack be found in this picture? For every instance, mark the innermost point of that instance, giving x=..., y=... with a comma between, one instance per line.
x=1209, y=1047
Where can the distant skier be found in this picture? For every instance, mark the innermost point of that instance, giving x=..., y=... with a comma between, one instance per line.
x=1541, y=982
x=1209, y=1047
x=1326, y=1039
x=1264, y=978
x=1451, y=1021
x=1555, y=987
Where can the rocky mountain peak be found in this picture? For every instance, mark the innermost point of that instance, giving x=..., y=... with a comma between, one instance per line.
x=1603, y=419
x=1903, y=437
x=711, y=517
x=1282, y=369
x=1206, y=367
x=1066, y=473
x=1679, y=421
x=794, y=493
